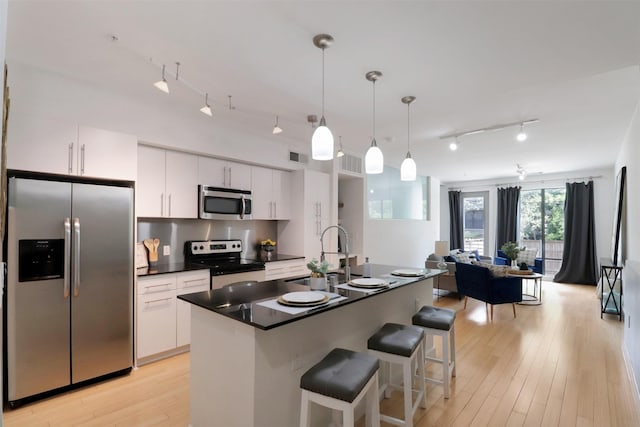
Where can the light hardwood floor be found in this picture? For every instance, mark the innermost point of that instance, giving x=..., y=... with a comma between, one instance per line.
x=556, y=364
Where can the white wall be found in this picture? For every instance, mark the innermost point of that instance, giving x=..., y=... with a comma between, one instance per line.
x=603, y=183
x=630, y=157
x=405, y=243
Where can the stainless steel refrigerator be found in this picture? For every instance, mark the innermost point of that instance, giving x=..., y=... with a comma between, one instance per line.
x=69, y=288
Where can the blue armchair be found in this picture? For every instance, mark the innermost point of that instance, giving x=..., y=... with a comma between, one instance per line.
x=502, y=259
x=478, y=283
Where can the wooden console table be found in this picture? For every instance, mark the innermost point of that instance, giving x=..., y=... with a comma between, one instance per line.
x=610, y=300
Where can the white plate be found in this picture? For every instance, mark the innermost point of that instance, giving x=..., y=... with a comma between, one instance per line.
x=303, y=297
x=408, y=273
x=369, y=282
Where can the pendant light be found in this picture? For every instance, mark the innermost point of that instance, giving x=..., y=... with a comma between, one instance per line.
x=374, y=160
x=162, y=84
x=340, y=152
x=276, y=129
x=322, y=139
x=206, y=109
x=408, y=167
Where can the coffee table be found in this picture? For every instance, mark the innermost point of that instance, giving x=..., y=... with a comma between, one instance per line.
x=527, y=298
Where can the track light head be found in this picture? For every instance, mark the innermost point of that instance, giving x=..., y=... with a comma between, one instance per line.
x=162, y=84
x=521, y=136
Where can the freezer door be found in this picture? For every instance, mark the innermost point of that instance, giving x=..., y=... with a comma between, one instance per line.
x=102, y=285
x=37, y=337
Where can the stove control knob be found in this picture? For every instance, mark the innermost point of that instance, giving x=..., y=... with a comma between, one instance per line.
x=201, y=247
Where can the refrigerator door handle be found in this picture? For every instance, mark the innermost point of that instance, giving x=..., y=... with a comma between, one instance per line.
x=67, y=255
x=76, y=257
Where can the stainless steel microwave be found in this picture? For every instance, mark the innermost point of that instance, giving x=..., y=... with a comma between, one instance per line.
x=223, y=203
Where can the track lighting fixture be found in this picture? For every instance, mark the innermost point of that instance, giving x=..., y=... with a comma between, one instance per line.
x=340, y=152
x=322, y=139
x=408, y=166
x=162, y=84
x=454, y=144
x=276, y=129
x=374, y=160
x=521, y=136
x=206, y=109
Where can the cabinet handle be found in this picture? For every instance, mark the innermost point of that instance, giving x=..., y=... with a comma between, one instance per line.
x=158, y=300
x=229, y=176
x=270, y=209
x=169, y=207
x=70, y=162
x=82, y=159
x=161, y=204
x=224, y=176
x=275, y=210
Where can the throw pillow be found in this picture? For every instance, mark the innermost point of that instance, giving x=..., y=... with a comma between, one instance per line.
x=528, y=256
x=495, y=270
x=464, y=257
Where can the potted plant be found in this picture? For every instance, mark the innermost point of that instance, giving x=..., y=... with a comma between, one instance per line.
x=511, y=250
x=318, y=280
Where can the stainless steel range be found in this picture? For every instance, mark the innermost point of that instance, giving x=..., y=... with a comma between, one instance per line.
x=224, y=260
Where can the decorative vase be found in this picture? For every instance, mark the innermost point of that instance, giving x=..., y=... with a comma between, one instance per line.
x=268, y=250
x=318, y=283
x=514, y=263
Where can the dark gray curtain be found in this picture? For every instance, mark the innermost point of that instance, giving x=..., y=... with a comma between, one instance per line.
x=579, y=262
x=507, y=227
x=456, y=227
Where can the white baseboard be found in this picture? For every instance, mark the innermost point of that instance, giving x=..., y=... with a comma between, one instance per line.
x=632, y=377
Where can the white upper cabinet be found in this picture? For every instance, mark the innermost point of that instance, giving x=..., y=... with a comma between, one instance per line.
x=222, y=173
x=167, y=184
x=51, y=146
x=270, y=193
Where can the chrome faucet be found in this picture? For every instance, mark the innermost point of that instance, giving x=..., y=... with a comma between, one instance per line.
x=347, y=268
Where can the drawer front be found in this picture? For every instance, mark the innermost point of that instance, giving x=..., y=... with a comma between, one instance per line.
x=193, y=281
x=153, y=285
x=156, y=323
x=285, y=269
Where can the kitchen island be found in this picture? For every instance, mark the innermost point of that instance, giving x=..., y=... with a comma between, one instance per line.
x=247, y=358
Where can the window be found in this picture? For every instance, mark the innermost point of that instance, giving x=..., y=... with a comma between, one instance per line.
x=390, y=198
x=475, y=225
x=542, y=225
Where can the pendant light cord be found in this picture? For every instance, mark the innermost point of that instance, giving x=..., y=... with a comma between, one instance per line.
x=374, y=110
x=322, y=82
x=408, y=128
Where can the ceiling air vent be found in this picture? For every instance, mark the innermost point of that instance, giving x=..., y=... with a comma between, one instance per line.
x=351, y=163
x=297, y=157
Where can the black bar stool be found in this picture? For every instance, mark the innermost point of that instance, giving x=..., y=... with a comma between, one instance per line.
x=438, y=321
x=402, y=345
x=340, y=381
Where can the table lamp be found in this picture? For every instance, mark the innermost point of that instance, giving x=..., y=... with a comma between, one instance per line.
x=442, y=249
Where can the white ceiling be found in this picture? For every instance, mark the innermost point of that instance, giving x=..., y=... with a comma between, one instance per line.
x=573, y=65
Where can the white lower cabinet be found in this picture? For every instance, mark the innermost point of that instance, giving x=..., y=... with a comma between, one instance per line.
x=284, y=269
x=164, y=322
x=187, y=283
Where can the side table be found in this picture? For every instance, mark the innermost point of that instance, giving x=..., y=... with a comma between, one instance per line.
x=536, y=297
x=610, y=299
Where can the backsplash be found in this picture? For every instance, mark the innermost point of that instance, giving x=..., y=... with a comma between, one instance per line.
x=175, y=232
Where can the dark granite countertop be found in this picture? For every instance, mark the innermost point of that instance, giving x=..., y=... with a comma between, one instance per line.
x=279, y=257
x=239, y=301
x=177, y=267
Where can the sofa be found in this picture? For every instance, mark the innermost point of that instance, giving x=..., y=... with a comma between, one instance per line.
x=447, y=281
x=537, y=266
